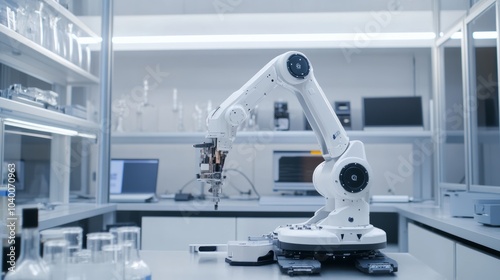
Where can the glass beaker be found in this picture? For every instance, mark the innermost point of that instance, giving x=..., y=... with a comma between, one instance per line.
x=95, y=242
x=113, y=255
x=55, y=255
x=73, y=235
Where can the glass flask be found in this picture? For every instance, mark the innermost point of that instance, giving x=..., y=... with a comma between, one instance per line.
x=134, y=267
x=29, y=266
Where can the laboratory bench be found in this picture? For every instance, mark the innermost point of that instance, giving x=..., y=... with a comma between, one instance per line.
x=55, y=215
x=451, y=246
x=238, y=218
x=186, y=265
x=424, y=213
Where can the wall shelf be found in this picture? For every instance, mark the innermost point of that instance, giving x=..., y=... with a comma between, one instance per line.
x=68, y=213
x=28, y=59
x=25, y=112
x=27, y=56
x=71, y=17
x=268, y=137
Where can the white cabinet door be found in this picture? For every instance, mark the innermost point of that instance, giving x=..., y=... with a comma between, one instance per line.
x=472, y=264
x=432, y=249
x=259, y=226
x=176, y=233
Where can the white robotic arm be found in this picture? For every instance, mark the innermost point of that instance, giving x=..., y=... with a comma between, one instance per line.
x=343, y=178
x=292, y=71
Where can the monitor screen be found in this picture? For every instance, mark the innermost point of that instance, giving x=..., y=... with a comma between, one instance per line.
x=133, y=175
x=387, y=112
x=293, y=170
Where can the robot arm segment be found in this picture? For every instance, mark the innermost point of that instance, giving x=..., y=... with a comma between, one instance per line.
x=292, y=71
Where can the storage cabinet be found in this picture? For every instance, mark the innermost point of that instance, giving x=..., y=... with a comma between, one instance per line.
x=434, y=250
x=472, y=264
x=51, y=142
x=176, y=233
x=42, y=56
x=449, y=257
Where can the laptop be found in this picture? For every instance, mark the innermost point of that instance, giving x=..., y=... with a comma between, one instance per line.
x=133, y=180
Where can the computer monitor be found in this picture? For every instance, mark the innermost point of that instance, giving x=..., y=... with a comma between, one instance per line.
x=293, y=170
x=393, y=112
x=129, y=176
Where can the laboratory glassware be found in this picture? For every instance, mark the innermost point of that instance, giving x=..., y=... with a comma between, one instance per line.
x=135, y=268
x=95, y=242
x=55, y=255
x=73, y=235
x=29, y=265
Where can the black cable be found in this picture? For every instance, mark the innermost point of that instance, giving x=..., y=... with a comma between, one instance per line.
x=187, y=184
x=230, y=169
x=246, y=177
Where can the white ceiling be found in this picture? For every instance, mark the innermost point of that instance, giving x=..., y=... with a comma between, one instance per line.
x=168, y=7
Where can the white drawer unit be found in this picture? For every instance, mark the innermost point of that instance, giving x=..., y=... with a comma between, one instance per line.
x=433, y=249
x=473, y=264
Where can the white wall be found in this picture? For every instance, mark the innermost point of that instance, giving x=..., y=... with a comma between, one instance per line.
x=200, y=76
x=178, y=165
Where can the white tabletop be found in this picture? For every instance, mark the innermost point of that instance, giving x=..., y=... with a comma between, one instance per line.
x=185, y=265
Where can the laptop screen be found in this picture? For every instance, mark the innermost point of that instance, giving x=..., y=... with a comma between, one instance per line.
x=133, y=176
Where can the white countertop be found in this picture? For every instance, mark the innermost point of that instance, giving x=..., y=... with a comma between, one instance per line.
x=232, y=205
x=425, y=213
x=187, y=266
x=67, y=213
x=466, y=228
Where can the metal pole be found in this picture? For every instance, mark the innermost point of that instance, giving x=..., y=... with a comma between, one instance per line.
x=106, y=63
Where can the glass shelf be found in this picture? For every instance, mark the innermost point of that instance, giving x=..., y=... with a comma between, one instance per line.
x=29, y=57
x=268, y=137
x=25, y=112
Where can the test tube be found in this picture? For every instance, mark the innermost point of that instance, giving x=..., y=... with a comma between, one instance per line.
x=95, y=242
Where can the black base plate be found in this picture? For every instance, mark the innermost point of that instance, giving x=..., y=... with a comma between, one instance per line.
x=370, y=262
